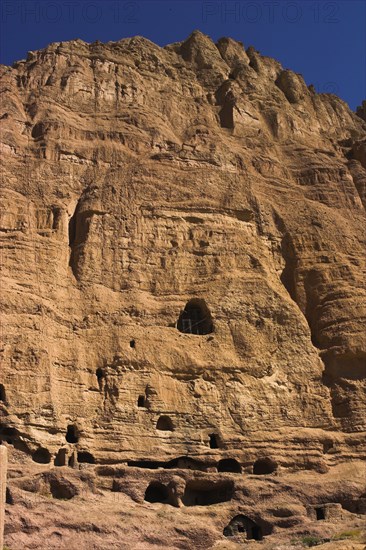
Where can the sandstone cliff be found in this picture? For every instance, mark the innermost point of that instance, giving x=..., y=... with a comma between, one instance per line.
x=183, y=298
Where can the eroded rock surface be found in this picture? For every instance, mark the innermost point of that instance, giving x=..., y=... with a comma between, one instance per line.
x=183, y=298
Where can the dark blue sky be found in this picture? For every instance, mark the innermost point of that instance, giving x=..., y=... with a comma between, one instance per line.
x=325, y=41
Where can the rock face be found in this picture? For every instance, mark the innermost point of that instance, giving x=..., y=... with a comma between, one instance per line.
x=183, y=297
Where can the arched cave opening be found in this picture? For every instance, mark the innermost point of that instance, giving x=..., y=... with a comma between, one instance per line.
x=2, y=393
x=165, y=424
x=204, y=492
x=132, y=344
x=229, y=465
x=72, y=434
x=42, y=456
x=86, y=457
x=157, y=492
x=242, y=524
x=264, y=466
x=195, y=318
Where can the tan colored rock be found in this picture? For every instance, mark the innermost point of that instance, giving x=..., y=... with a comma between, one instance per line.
x=183, y=295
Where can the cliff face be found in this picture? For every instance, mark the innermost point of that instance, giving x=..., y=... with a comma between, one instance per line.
x=183, y=255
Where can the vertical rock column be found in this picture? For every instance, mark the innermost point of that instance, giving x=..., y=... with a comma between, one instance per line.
x=3, y=468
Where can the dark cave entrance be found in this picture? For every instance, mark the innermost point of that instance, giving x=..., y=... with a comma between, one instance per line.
x=86, y=457
x=157, y=492
x=264, y=466
x=242, y=524
x=195, y=318
x=229, y=465
x=42, y=456
x=141, y=401
x=60, y=459
x=72, y=435
x=320, y=513
x=164, y=424
x=213, y=441
x=205, y=493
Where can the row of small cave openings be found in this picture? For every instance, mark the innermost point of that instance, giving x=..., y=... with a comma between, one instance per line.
x=262, y=466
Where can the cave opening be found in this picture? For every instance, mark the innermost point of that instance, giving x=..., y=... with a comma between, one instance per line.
x=165, y=424
x=141, y=401
x=213, y=441
x=242, y=524
x=195, y=318
x=9, y=497
x=205, y=492
x=85, y=457
x=229, y=465
x=8, y=434
x=60, y=459
x=42, y=456
x=320, y=513
x=264, y=466
x=72, y=435
x=72, y=461
x=157, y=492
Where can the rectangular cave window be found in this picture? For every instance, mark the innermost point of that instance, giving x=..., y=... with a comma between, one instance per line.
x=213, y=441
x=320, y=513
